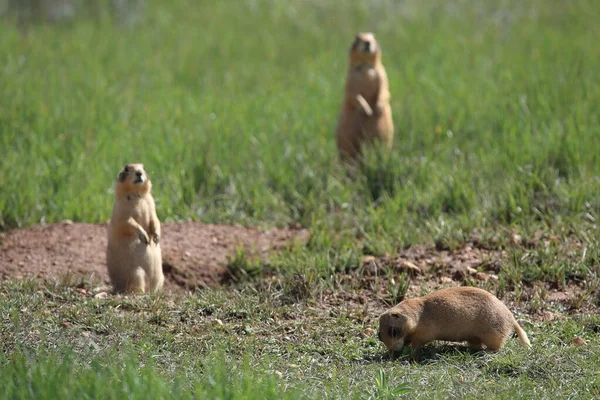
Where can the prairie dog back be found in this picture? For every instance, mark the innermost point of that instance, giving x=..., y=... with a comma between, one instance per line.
x=455, y=314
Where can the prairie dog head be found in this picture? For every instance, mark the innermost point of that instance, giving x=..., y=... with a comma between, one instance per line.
x=133, y=179
x=393, y=328
x=365, y=49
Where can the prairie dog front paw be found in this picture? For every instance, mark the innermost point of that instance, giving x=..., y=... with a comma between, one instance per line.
x=143, y=237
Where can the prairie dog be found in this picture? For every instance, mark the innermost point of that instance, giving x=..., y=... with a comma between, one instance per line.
x=366, y=115
x=455, y=314
x=133, y=254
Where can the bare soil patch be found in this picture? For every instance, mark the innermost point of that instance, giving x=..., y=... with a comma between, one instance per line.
x=194, y=254
x=428, y=268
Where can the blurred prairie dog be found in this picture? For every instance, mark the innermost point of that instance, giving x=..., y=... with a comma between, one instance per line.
x=366, y=115
x=133, y=254
x=456, y=314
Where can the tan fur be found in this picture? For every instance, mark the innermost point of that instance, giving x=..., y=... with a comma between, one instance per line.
x=457, y=314
x=366, y=115
x=133, y=254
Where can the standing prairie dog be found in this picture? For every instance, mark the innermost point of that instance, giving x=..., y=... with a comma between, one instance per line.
x=366, y=115
x=133, y=254
x=456, y=314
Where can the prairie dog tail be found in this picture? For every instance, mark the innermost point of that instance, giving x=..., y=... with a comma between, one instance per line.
x=522, y=335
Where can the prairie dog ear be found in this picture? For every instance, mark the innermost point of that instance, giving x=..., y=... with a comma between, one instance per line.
x=405, y=323
x=397, y=316
x=123, y=174
x=370, y=42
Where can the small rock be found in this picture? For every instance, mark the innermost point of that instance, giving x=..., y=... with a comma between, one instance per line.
x=102, y=288
x=369, y=264
x=409, y=267
x=445, y=279
x=82, y=291
x=548, y=316
x=67, y=222
x=369, y=332
x=471, y=270
x=218, y=321
x=494, y=277
x=556, y=239
x=516, y=239
x=66, y=324
x=578, y=341
x=367, y=260
x=482, y=276
x=101, y=295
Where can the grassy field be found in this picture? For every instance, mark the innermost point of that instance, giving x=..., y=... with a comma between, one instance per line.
x=231, y=106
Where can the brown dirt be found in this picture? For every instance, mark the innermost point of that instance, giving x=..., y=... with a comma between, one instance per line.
x=429, y=268
x=194, y=254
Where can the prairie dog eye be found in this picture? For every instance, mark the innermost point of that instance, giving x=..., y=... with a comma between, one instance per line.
x=126, y=169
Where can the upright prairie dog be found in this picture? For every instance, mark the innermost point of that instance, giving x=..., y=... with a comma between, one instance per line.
x=456, y=314
x=133, y=254
x=366, y=115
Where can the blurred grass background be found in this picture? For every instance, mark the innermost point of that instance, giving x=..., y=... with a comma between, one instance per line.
x=232, y=108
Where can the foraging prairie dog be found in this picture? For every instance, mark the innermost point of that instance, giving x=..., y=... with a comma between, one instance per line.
x=366, y=115
x=455, y=314
x=133, y=254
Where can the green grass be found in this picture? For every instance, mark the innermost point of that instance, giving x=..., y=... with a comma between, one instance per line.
x=128, y=378
x=232, y=109
x=243, y=344
x=232, y=106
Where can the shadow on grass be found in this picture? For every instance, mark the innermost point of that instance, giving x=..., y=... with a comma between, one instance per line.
x=433, y=353
x=424, y=355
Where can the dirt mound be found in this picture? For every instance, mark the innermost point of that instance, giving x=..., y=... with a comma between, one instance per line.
x=430, y=268
x=457, y=264
x=194, y=254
